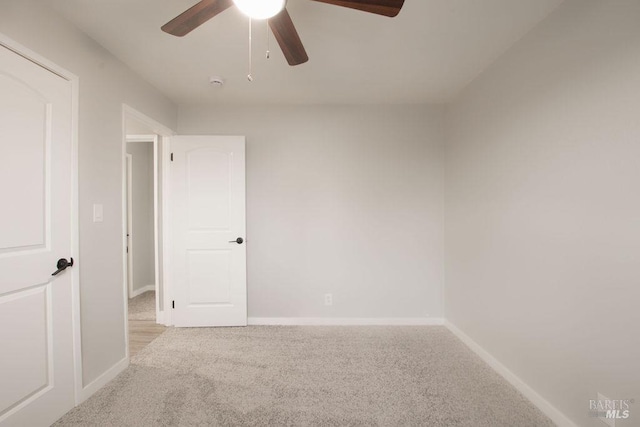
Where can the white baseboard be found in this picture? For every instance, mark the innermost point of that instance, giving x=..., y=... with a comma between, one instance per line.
x=142, y=290
x=547, y=408
x=102, y=380
x=345, y=321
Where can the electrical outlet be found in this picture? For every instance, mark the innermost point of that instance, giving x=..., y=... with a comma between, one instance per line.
x=328, y=299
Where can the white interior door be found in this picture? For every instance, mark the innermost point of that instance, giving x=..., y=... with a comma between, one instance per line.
x=209, y=260
x=36, y=338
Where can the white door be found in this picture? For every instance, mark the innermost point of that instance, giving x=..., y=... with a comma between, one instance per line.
x=209, y=260
x=36, y=339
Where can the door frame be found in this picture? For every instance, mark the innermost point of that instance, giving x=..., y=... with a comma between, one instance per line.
x=154, y=139
x=129, y=223
x=32, y=56
x=163, y=133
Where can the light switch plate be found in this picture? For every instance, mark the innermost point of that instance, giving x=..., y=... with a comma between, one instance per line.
x=98, y=213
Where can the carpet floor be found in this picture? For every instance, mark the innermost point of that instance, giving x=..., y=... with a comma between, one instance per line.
x=143, y=307
x=304, y=376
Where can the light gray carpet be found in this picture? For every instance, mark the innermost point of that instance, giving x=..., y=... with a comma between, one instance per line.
x=143, y=307
x=299, y=376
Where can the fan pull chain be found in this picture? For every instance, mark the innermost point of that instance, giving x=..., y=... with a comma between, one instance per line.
x=249, y=76
x=268, y=42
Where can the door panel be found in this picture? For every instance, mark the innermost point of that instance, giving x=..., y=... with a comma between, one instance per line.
x=208, y=196
x=31, y=357
x=24, y=112
x=209, y=189
x=36, y=360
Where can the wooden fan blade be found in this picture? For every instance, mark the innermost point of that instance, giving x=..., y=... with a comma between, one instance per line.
x=389, y=8
x=288, y=39
x=195, y=16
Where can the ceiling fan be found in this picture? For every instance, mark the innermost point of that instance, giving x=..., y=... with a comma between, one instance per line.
x=279, y=20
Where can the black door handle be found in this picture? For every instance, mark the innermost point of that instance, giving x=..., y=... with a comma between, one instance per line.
x=62, y=265
x=239, y=241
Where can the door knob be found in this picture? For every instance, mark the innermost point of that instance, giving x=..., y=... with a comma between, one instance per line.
x=62, y=265
x=239, y=241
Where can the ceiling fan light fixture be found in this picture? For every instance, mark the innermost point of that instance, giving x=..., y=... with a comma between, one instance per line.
x=260, y=9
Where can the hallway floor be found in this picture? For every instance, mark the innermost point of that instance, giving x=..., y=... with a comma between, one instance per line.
x=143, y=328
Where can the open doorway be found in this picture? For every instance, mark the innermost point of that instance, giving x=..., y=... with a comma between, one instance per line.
x=143, y=242
x=141, y=231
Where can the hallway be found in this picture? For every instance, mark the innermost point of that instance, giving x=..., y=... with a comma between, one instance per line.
x=142, y=324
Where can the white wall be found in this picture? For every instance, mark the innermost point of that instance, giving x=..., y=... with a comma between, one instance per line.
x=543, y=207
x=105, y=83
x=342, y=200
x=142, y=235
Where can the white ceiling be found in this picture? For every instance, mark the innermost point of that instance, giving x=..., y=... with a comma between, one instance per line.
x=427, y=54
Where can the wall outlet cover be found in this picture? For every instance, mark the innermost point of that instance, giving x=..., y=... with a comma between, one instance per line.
x=328, y=299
